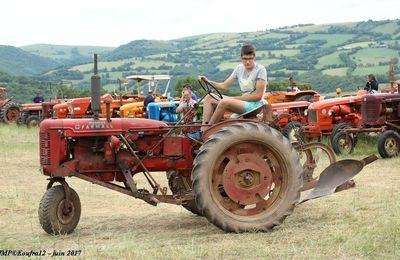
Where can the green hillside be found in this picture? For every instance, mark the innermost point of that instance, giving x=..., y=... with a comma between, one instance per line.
x=67, y=54
x=16, y=61
x=327, y=56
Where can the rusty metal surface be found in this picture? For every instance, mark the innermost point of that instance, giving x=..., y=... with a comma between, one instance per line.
x=336, y=175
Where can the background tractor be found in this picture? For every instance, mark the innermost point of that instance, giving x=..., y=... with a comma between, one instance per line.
x=380, y=114
x=326, y=117
x=9, y=111
x=243, y=176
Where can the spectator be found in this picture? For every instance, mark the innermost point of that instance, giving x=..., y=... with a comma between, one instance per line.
x=186, y=102
x=187, y=86
x=149, y=99
x=372, y=84
x=38, y=98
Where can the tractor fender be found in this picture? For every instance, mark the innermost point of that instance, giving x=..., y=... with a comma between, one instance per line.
x=215, y=128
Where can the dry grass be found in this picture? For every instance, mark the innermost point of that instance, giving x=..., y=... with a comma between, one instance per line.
x=359, y=223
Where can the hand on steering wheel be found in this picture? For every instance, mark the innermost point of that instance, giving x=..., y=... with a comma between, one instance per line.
x=209, y=88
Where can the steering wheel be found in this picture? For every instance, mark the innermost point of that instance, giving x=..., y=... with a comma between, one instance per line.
x=210, y=88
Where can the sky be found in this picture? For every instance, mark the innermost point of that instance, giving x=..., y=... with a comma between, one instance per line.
x=117, y=22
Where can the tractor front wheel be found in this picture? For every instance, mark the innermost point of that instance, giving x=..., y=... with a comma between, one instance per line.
x=389, y=144
x=9, y=113
x=33, y=121
x=247, y=177
x=343, y=143
x=54, y=217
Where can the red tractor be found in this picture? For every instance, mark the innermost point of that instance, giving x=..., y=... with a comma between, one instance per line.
x=290, y=117
x=9, y=111
x=326, y=117
x=33, y=113
x=243, y=176
x=380, y=114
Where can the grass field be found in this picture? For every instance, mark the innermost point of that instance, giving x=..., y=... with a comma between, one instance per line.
x=361, y=223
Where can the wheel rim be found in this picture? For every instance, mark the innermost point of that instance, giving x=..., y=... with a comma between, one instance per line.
x=292, y=134
x=391, y=146
x=12, y=114
x=344, y=144
x=63, y=216
x=33, y=123
x=247, y=179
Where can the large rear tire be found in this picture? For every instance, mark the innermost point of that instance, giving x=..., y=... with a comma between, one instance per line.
x=247, y=177
x=52, y=216
x=389, y=144
x=9, y=113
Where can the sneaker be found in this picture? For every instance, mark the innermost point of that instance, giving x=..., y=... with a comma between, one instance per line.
x=196, y=136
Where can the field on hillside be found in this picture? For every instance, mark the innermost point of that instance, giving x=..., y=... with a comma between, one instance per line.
x=358, y=223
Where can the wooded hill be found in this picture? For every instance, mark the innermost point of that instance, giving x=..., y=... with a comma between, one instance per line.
x=327, y=56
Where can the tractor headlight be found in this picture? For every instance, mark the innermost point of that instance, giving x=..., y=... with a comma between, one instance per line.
x=330, y=112
x=306, y=112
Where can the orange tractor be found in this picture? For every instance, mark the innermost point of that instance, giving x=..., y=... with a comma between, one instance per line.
x=326, y=117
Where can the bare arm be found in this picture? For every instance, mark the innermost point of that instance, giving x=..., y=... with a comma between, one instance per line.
x=256, y=95
x=220, y=85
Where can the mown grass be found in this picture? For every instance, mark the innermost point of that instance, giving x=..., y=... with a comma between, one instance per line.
x=359, y=223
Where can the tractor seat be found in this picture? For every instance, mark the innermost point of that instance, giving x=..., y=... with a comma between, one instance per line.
x=249, y=114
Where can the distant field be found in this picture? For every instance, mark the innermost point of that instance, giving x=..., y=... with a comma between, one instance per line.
x=323, y=27
x=360, y=223
x=329, y=59
x=388, y=28
x=374, y=55
x=335, y=72
x=332, y=40
x=377, y=70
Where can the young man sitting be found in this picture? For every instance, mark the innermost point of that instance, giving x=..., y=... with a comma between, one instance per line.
x=252, y=78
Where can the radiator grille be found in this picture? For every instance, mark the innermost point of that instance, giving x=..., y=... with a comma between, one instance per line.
x=312, y=115
x=44, y=149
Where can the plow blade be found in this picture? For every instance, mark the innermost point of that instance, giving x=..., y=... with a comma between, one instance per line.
x=337, y=174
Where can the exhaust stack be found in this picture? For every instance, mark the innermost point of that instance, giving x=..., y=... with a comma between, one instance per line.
x=95, y=91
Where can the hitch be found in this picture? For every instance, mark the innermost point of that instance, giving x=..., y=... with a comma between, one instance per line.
x=337, y=177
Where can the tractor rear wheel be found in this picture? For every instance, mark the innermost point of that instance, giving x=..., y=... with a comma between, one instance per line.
x=32, y=121
x=337, y=128
x=389, y=144
x=181, y=185
x=343, y=143
x=247, y=177
x=52, y=214
x=9, y=113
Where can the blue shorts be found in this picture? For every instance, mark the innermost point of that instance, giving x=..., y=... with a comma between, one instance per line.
x=251, y=105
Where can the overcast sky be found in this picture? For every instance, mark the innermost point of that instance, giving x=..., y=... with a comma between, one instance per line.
x=117, y=22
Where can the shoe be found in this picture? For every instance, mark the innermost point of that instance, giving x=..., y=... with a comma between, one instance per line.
x=196, y=136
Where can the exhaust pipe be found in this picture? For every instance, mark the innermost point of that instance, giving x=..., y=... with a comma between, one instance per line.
x=95, y=91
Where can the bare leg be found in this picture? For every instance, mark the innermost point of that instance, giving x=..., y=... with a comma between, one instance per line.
x=208, y=108
x=226, y=104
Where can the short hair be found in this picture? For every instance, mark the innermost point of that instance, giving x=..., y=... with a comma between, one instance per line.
x=187, y=86
x=248, y=49
x=371, y=76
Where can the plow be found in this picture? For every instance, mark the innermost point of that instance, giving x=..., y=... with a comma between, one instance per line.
x=243, y=176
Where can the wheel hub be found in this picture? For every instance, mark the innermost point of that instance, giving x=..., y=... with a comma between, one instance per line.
x=65, y=215
x=247, y=180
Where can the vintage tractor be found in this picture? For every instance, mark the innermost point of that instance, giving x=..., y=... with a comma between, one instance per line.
x=136, y=109
x=380, y=114
x=290, y=117
x=243, y=176
x=9, y=111
x=326, y=117
x=33, y=113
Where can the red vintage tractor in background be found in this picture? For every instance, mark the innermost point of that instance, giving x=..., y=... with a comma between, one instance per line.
x=326, y=117
x=243, y=176
x=9, y=111
x=380, y=114
x=33, y=113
